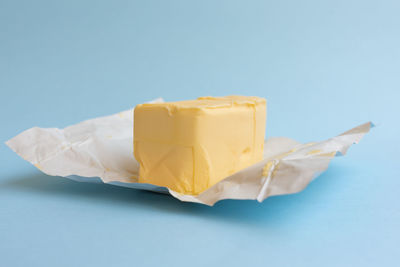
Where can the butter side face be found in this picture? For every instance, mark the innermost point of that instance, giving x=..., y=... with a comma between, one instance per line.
x=189, y=146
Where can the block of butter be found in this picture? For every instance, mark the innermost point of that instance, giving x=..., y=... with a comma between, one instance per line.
x=191, y=145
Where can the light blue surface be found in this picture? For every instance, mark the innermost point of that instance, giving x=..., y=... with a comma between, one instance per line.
x=325, y=66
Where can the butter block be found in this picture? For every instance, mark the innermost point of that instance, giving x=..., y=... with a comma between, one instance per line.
x=191, y=145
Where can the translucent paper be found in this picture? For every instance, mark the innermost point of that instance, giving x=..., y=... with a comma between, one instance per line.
x=101, y=150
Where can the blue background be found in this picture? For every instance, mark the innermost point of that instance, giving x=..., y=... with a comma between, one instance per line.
x=324, y=66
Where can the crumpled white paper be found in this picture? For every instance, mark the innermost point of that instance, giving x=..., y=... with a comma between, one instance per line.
x=101, y=150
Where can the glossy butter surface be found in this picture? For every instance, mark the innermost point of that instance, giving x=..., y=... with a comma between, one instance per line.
x=189, y=146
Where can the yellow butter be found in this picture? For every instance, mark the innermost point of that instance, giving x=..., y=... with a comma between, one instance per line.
x=189, y=146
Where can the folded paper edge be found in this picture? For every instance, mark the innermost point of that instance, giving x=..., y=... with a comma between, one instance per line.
x=357, y=134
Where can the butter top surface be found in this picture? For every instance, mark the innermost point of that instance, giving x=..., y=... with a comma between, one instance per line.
x=208, y=102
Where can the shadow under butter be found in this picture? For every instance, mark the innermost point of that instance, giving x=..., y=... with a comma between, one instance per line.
x=278, y=209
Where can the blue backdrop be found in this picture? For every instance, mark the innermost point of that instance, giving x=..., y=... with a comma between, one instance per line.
x=324, y=66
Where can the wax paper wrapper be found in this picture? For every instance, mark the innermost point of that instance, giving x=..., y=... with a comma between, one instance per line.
x=101, y=150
